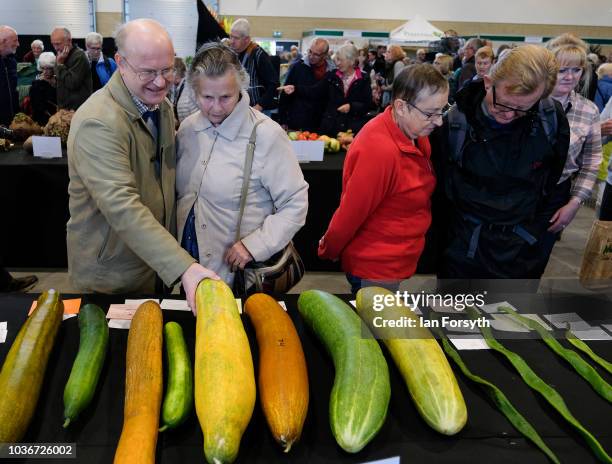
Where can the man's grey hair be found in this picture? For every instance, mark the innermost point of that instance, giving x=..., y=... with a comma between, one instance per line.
x=66, y=31
x=37, y=43
x=214, y=59
x=93, y=38
x=46, y=59
x=242, y=27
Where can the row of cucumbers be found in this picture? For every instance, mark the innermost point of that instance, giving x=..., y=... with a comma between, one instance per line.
x=223, y=383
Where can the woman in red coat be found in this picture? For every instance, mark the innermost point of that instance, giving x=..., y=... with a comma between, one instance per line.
x=378, y=231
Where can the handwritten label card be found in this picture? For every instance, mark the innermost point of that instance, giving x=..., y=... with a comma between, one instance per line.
x=119, y=311
x=175, y=305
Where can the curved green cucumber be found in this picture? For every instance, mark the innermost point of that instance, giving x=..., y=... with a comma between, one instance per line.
x=93, y=343
x=361, y=392
x=178, y=401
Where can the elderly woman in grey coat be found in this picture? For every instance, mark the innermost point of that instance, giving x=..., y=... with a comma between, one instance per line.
x=212, y=145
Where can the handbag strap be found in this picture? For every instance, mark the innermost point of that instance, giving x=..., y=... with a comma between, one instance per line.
x=248, y=165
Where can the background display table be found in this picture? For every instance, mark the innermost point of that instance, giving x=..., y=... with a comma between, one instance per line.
x=487, y=437
x=34, y=206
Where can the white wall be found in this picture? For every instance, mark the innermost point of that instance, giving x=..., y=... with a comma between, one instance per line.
x=574, y=12
x=108, y=6
x=41, y=16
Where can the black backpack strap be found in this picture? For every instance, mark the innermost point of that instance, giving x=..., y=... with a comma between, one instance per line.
x=548, y=117
x=457, y=128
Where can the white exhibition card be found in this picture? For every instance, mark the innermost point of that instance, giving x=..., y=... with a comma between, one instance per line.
x=393, y=460
x=469, y=342
x=175, y=305
x=306, y=150
x=594, y=333
x=47, y=147
x=494, y=307
x=561, y=320
x=119, y=324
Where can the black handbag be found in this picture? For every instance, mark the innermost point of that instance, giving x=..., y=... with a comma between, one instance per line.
x=283, y=270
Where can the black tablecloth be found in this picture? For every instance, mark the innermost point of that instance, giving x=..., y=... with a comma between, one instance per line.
x=487, y=436
x=34, y=196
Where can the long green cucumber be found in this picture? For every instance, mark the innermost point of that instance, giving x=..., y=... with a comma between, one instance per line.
x=178, y=401
x=361, y=392
x=426, y=371
x=85, y=373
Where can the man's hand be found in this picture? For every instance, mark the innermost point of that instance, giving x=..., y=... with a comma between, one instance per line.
x=564, y=215
x=61, y=56
x=606, y=127
x=190, y=280
x=288, y=89
x=238, y=256
x=344, y=108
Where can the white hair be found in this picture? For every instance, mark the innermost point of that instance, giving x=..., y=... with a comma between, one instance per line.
x=348, y=52
x=37, y=43
x=46, y=59
x=242, y=27
x=93, y=38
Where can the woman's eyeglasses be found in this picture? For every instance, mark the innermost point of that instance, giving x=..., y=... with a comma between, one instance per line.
x=430, y=116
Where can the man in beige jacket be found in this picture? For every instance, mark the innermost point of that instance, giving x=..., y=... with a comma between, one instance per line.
x=121, y=162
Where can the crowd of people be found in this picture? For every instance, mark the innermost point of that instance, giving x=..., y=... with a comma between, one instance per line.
x=156, y=154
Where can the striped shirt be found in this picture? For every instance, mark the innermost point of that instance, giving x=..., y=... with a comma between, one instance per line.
x=263, y=79
x=584, y=153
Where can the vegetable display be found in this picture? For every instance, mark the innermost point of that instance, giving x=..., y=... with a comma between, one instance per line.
x=587, y=350
x=283, y=377
x=499, y=399
x=24, y=368
x=426, y=371
x=545, y=390
x=361, y=392
x=178, y=400
x=93, y=344
x=584, y=369
x=224, y=375
x=143, y=387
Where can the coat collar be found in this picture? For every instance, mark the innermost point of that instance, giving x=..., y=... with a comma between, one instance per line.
x=120, y=93
x=404, y=143
x=230, y=127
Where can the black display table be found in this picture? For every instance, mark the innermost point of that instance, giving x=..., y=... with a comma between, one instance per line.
x=487, y=437
x=34, y=196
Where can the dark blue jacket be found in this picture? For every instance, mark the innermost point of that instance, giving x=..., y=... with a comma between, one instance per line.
x=296, y=111
x=604, y=91
x=9, y=98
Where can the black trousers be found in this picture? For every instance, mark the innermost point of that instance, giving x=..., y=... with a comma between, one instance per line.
x=605, y=212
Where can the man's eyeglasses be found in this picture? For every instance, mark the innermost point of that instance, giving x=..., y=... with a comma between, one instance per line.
x=148, y=76
x=507, y=109
x=430, y=116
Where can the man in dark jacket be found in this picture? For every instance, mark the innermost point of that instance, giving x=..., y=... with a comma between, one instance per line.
x=468, y=67
x=264, y=80
x=72, y=71
x=499, y=156
x=298, y=112
x=9, y=98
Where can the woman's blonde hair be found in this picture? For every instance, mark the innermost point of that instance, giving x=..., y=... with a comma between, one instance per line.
x=604, y=70
x=445, y=61
x=524, y=68
x=485, y=52
x=396, y=53
x=570, y=54
x=571, y=49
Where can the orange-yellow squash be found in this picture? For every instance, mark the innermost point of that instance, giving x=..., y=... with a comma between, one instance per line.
x=283, y=377
x=143, y=387
x=224, y=376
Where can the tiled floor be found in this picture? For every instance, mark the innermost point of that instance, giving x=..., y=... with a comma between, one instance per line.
x=564, y=263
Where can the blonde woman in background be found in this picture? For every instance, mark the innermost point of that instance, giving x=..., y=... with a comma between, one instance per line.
x=584, y=154
x=394, y=59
